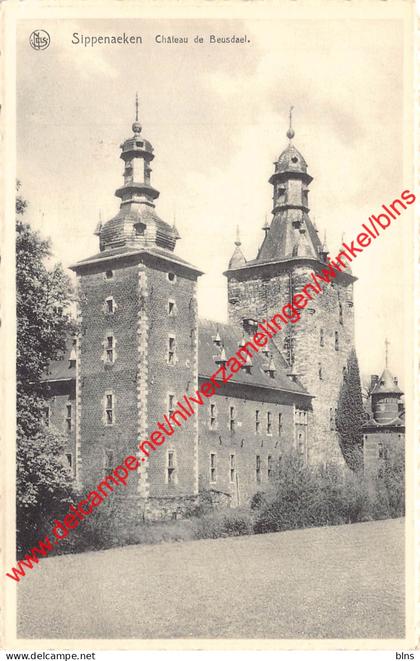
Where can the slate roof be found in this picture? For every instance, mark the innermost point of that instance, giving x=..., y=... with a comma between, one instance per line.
x=399, y=421
x=231, y=337
x=59, y=370
x=127, y=251
x=386, y=384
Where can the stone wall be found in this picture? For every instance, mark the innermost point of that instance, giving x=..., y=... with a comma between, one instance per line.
x=247, y=440
x=319, y=362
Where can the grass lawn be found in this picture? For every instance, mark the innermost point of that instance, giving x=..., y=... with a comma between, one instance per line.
x=337, y=582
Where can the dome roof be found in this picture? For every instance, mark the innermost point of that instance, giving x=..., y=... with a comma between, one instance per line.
x=291, y=160
x=137, y=225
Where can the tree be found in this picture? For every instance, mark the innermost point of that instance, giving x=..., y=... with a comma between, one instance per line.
x=350, y=415
x=44, y=484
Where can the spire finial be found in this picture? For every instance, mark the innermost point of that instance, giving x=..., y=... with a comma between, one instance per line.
x=136, y=125
x=290, y=133
x=266, y=226
x=387, y=343
x=238, y=238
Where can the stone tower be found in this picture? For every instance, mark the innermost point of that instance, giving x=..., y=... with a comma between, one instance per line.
x=138, y=341
x=318, y=345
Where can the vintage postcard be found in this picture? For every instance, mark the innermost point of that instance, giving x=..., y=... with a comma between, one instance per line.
x=208, y=326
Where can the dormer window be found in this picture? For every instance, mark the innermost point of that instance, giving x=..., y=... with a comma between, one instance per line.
x=139, y=229
x=109, y=305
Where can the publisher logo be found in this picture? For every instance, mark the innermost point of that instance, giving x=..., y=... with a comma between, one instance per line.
x=39, y=39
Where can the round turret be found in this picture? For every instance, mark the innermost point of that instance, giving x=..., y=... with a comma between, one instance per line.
x=385, y=398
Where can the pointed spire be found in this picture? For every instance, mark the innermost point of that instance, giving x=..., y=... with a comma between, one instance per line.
x=290, y=133
x=266, y=226
x=136, y=124
x=237, y=260
x=324, y=249
x=98, y=227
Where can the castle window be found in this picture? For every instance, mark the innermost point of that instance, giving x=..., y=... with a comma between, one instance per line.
x=269, y=466
x=340, y=313
x=320, y=371
x=171, y=308
x=213, y=416
x=380, y=473
x=269, y=424
x=109, y=409
x=110, y=349
x=344, y=373
x=170, y=467
x=47, y=415
x=109, y=275
x=332, y=420
x=171, y=276
x=171, y=406
x=109, y=462
x=257, y=422
x=280, y=423
x=213, y=474
x=232, y=468
x=336, y=344
x=380, y=450
x=171, y=350
x=110, y=305
x=69, y=458
x=232, y=415
x=68, y=417
x=321, y=337
x=258, y=468
x=301, y=443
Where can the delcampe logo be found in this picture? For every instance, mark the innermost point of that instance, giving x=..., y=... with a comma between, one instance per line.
x=39, y=39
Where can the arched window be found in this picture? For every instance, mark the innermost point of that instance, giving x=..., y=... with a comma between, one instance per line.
x=336, y=341
x=321, y=337
x=340, y=313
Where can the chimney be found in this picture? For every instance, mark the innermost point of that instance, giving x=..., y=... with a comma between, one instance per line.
x=373, y=380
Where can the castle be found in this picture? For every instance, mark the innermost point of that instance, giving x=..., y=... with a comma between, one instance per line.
x=142, y=346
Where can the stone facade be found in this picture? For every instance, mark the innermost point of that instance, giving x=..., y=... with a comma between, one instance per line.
x=142, y=346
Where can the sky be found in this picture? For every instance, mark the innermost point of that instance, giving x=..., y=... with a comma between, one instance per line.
x=217, y=116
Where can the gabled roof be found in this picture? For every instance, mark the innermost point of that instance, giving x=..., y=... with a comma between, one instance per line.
x=231, y=337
